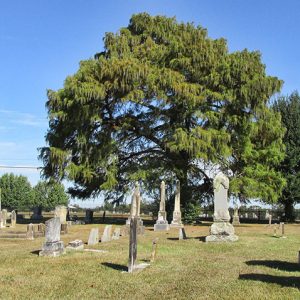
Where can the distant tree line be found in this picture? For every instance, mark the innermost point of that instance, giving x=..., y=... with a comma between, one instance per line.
x=17, y=193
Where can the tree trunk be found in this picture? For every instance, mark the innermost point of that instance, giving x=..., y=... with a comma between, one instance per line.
x=289, y=210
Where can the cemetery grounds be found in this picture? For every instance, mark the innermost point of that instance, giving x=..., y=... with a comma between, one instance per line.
x=258, y=266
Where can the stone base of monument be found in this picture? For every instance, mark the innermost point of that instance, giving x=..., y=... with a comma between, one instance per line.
x=52, y=249
x=176, y=225
x=236, y=221
x=221, y=232
x=161, y=226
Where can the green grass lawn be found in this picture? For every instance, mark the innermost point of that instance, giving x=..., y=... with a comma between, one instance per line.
x=258, y=266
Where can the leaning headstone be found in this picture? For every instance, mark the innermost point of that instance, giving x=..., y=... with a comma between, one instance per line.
x=182, y=234
x=30, y=232
x=106, y=236
x=236, y=218
x=116, y=234
x=162, y=223
x=13, y=219
x=93, y=237
x=221, y=230
x=76, y=245
x=53, y=246
x=176, y=222
x=89, y=218
x=61, y=213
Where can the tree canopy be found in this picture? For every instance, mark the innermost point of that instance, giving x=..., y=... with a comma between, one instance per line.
x=289, y=108
x=16, y=191
x=165, y=101
x=48, y=195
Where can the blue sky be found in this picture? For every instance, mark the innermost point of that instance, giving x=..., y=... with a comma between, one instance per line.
x=42, y=42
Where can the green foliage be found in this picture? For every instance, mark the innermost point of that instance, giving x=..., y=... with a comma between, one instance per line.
x=289, y=108
x=49, y=195
x=165, y=101
x=16, y=192
x=191, y=213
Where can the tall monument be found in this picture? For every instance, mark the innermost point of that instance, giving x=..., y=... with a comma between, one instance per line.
x=176, y=222
x=162, y=223
x=221, y=230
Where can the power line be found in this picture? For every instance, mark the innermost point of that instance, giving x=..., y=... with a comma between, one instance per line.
x=20, y=167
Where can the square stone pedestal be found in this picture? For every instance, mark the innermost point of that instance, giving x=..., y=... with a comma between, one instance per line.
x=162, y=226
x=221, y=232
x=52, y=249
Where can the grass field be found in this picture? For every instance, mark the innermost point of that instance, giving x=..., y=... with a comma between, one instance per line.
x=258, y=266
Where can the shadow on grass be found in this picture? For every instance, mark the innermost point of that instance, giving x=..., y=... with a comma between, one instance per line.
x=35, y=252
x=115, y=266
x=275, y=264
x=284, y=281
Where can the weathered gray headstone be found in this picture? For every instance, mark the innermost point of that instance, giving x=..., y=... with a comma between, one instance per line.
x=182, y=234
x=30, y=232
x=61, y=213
x=94, y=236
x=132, y=244
x=221, y=230
x=116, y=234
x=75, y=245
x=176, y=222
x=236, y=218
x=4, y=216
x=154, y=250
x=13, y=219
x=53, y=246
x=135, y=209
x=162, y=223
x=106, y=236
x=89, y=216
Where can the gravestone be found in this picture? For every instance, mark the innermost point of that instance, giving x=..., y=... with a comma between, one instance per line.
x=270, y=220
x=176, y=222
x=236, y=218
x=182, y=234
x=221, y=230
x=37, y=213
x=30, y=232
x=4, y=217
x=135, y=209
x=93, y=237
x=61, y=213
x=53, y=246
x=89, y=216
x=13, y=219
x=106, y=236
x=132, y=244
x=76, y=245
x=162, y=223
x=116, y=234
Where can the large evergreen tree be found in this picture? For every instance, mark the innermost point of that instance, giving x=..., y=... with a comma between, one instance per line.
x=289, y=108
x=163, y=100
